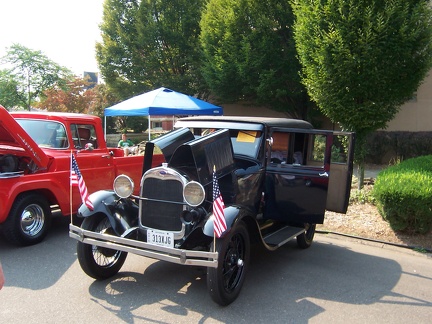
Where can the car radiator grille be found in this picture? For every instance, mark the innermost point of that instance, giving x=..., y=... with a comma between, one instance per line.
x=163, y=214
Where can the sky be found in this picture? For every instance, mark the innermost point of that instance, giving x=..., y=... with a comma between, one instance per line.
x=64, y=31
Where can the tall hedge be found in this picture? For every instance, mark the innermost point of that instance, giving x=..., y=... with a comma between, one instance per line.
x=404, y=195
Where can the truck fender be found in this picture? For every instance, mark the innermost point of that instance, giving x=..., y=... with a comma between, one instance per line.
x=232, y=213
x=121, y=213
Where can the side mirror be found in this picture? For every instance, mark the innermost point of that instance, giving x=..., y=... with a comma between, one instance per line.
x=270, y=141
x=89, y=147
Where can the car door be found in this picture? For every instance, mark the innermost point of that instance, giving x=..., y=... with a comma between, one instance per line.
x=96, y=165
x=297, y=175
x=341, y=171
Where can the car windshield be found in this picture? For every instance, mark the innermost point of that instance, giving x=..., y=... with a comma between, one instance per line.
x=246, y=142
x=245, y=137
x=45, y=133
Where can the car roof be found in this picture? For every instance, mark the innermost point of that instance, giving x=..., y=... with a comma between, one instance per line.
x=49, y=115
x=266, y=121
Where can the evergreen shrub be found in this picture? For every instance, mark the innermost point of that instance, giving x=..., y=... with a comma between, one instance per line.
x=384, y=147
x=403, y=194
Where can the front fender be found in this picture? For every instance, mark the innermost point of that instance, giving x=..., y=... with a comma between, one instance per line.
x=232, y=213
x=121, y=213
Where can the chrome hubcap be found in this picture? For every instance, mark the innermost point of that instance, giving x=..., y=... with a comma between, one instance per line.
x=32, y=220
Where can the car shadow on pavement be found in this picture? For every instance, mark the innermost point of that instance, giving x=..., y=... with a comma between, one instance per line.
x=39, y=266
x=280, y=286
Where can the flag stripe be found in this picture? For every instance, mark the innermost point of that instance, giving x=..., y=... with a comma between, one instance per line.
x=218, y=209
x=76, y=179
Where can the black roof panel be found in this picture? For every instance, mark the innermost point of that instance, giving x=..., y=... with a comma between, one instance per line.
x=266, y=121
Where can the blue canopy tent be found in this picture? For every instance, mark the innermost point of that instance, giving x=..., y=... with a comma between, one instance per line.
x=162, y=102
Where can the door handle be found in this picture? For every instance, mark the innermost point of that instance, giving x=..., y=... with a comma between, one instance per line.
x=324, y=174
x=106, y=156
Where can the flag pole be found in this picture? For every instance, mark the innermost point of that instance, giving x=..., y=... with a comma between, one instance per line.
x=214, y=218
x=70, y=188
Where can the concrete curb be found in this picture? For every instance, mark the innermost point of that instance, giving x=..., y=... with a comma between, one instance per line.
x=410, y=247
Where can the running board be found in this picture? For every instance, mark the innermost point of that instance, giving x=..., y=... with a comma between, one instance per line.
x=283, y=235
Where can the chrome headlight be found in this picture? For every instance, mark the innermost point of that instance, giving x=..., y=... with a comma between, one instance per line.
x=193, y=193
x=123, y=186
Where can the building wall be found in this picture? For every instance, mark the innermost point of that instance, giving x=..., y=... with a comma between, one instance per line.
x=416, y=114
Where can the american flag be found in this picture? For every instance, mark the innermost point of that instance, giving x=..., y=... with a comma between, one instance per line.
x=77, y=179
x=218, y=209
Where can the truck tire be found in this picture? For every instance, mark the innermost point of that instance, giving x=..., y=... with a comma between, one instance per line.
x=28, y=221
x=99, y=262
x=225, y=282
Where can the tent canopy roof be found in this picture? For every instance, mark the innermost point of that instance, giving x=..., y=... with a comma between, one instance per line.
x=162, y=102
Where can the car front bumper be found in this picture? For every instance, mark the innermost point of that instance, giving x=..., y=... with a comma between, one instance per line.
x=173, y=255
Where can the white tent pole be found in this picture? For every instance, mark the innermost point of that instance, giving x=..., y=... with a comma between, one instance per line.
x=105, y=128
x=149, y=126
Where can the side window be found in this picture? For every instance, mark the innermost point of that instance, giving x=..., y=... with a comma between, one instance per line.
x=84, y=136
x=318, y=149
x=279, y=149
x=339, y=151
x=289, y=148
x=299, y=148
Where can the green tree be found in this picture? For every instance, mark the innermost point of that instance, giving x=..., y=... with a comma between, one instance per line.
x=362, y=59
x=137, y=123
x=115, y=53
x=103, y=98
x=151, y=43
x=33, y=73
x=9, y=95
x=249, y=54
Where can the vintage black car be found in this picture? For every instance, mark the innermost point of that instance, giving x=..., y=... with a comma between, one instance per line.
x=276, y=176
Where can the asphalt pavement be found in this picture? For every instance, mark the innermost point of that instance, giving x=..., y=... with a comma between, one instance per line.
x=337, y=280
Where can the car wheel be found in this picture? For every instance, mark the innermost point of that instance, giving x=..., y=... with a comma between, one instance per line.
x=305, y=239
x=28, y=221
x=99, y=262
x=225, y=282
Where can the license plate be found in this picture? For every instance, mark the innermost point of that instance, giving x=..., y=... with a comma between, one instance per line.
x=160, y=238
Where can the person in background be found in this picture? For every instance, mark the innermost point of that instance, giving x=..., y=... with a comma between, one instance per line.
x=127, y=145
x=2, y=279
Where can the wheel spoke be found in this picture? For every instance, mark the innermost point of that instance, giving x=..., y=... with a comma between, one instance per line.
x=233, y=264
x=104, y=257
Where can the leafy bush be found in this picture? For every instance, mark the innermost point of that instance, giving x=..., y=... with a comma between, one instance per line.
x=362, y=196
x=403, y=193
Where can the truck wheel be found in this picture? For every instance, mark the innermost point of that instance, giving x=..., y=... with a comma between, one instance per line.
x=225, y=282
x=28, y=221
x=305, y=239
x=99, y=262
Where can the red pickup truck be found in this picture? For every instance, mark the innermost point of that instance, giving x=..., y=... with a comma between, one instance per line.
x=35, y=164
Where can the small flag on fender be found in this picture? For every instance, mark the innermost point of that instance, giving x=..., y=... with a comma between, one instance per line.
x=77, y=179
x=218, y=208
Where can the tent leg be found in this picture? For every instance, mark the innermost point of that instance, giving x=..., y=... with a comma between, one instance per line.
x=149, y=126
